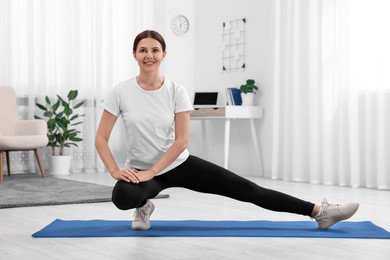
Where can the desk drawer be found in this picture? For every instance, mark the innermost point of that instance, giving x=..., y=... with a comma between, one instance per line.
x=209, y=112
x=229, y=112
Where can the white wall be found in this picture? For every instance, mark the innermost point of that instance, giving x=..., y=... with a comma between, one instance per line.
x=179, y=62
x=209, y=16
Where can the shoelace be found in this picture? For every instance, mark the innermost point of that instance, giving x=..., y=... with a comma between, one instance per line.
x=141, y=213
x=331, y=207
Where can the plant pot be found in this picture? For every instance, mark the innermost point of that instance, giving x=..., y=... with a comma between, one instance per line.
x=247, y=99
x=59, y=165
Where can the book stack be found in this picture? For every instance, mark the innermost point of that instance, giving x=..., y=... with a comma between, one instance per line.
x=233, y=97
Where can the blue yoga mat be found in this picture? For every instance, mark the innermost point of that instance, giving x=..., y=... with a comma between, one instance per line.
x=196, y=228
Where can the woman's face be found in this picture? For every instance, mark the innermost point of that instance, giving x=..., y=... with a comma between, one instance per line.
x=149, y=54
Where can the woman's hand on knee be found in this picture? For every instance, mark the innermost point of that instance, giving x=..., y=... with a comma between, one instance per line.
x=145, y=175
x=127, y=175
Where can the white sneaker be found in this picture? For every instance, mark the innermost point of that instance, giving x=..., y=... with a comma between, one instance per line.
x=330, y=214
x=142, y=216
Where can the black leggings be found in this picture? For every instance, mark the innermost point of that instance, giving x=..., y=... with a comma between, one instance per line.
x=199, y=175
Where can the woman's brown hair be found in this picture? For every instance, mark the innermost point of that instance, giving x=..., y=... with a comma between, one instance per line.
x=149, y=34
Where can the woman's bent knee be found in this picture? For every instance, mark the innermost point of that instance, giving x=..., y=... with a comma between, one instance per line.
x=124, y=196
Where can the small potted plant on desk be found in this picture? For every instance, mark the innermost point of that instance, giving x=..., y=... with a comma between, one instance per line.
x=248, y=92
x=61, y=119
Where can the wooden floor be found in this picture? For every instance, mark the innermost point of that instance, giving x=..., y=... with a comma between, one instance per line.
x=18, y=224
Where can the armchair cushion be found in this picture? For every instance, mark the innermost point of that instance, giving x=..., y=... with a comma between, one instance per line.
x=28, y=135
x=19, y=143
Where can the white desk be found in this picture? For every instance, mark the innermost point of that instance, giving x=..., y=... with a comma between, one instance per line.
x=228, y=113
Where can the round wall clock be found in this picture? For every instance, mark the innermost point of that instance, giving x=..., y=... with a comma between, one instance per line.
x=180, y=25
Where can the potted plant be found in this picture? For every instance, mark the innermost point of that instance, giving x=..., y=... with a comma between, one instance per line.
x=61, y=120
x=248, y=92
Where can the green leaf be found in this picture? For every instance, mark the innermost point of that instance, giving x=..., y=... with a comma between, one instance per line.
x=244, y=89
x=61, y=123
x=72, y=131
x=59, y=138
x=47, y=99
x=79, y=104
x=37, y=117
x=72, y=135
x=64, y=104
x=59, y=115
x=48, y=114
x=72, y=94
x=60, y=98
x=78, y=123
x=51, y=124
x=69, y=144
x=41, y=107
x=75, y=139
x=250, y=82
x=67, y=110
x=74, y=117
x=55, y=106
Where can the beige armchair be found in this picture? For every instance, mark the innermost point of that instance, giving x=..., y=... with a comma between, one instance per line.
x=18, y=135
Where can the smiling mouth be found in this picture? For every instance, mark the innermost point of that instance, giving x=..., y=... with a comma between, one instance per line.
x=149, y=62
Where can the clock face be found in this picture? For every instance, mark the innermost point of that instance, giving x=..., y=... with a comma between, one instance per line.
x=180, y=24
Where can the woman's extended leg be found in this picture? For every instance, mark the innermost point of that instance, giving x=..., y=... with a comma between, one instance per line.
x=202, y=176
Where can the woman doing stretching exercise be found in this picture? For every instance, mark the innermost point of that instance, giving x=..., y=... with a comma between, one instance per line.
x=156, y=115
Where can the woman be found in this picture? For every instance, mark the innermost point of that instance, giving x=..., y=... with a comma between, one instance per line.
x=156, y=114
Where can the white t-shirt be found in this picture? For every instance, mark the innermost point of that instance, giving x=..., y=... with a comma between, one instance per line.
x=148, y=117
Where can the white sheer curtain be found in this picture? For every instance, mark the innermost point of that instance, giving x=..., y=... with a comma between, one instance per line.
x=331, y=104
x=52, y=46
x=49, y=47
